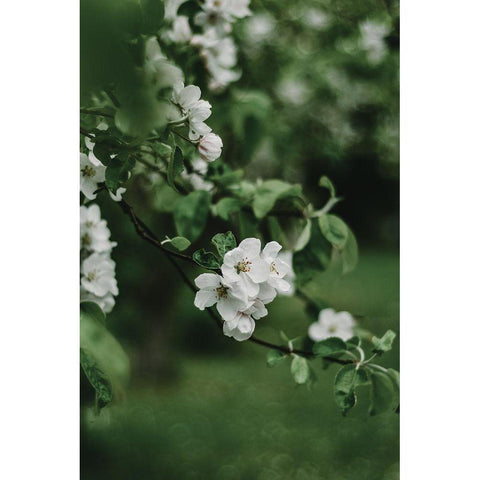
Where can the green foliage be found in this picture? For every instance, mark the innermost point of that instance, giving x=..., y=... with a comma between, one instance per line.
x=102, y=358
x=224, y=242
x=274, y=357
x=191, y=213
x=348, y=378
x=206, y=259
x=384, y=344
x=314, y=258
x=180, y=243
x=269, y=192
x=334, y=229
x=300, y=370
x=329, y=346
x=326, y=183
x=226, y=206
x=304, y=237
x=349, y=254
x=384, y=392
x=175, y=167
x=118, y=171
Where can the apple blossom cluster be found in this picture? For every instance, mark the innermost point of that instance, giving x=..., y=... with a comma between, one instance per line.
x=194, y=112
x=216, y=46
x=332, y=324
x=97, y=282
x=92, y=171
x=250, y=279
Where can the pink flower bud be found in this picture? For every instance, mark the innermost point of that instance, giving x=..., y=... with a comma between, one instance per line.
x=210, y=147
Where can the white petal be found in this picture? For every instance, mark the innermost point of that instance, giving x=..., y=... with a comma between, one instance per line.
x=271, y=250
x=345, y=320
x=344, y=334
x=227, y=308
x=317, y=332
x=205, y=298
x=279, y=284
x=251, y=247
x=259, y=270
x=208, y=280
x=327, y=316
x=266, y=293
x=189, y=96
x=248, y=285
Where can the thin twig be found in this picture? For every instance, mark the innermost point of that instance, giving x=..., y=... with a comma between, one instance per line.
x=86, y=111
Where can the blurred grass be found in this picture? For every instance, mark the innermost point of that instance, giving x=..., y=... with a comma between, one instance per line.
x=231, y=417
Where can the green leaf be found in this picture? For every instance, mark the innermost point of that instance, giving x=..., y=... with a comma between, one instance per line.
x=102, y=153
x=175, y=167
x=269, y=192
x=346, y=380
x=224, y=242
x=326, y=183
x=191, y=214
x=274, y=357
x=118, y=171
x=314, y=258
x=329, y=346
x=304, y=237
x=227, y=206
x=384, y=344
x=300, y=370
x=382, y=393
x=180, y=243
x=349, y=253
x=206, y=259
x=97, y=379
x=334, y=229
x=395, y=379
x=354, y=342
x=162, y=150
x=103, y=359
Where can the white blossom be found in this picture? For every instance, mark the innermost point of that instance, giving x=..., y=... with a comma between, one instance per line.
x=180, y=32
x=332, y=324
x=171, y=8
x=241, y=327
x=210, y=147
x=372, y=34
x=106, y=303
x=196, y=110
x=98, y=275
x=89, y=143
x=219, y=14
x=278, y=268
x=256, y=309
x=244, y=265
x=229, y=298
x=287, y=257
x=92, y=173
x=196, y=178
x=94, y=233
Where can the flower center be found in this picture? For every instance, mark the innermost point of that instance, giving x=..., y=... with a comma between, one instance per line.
x=243, y=266
x=88, y=171
x=222, y=291
x=332, y=329
x=91, y=276
x=273, y=268
x=86, y=240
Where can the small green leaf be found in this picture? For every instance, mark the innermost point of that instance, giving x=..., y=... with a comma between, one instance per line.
x=162, y=150
x=102, y=153
x=384, y=344
x=97, y=378
x=206, y=259
x=395, y=379
x=382, y=394
x=191, y=214
x=269, y=192
x=300, y=370
x=227, y=206
x=180, y=243
x=326, y=183
x=118, y=170
x=304, y=237
x=224, y=242
x=274, y=357
x=329, y=346
x=334, y=229
x=354, y=342
x=346, y=380
x=102, y=358
x=350, y=253
x=175, y=167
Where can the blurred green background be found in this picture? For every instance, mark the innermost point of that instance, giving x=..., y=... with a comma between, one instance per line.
x=318, y=95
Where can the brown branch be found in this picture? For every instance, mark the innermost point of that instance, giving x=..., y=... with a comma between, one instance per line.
x=144, y=232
